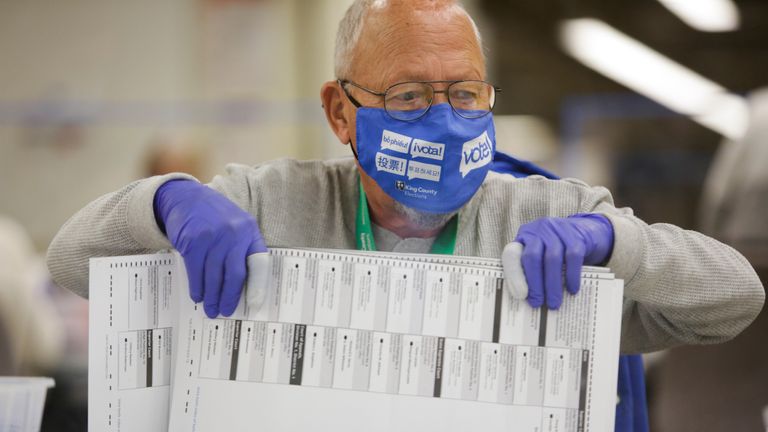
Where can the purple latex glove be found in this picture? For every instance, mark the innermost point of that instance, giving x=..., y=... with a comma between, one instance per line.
x=214, y=236
x=533, y=263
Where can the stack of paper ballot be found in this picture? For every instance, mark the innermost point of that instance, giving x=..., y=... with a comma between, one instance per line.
x=350, y=341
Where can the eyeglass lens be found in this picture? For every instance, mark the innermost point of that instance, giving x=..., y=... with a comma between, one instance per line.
x=409, y=101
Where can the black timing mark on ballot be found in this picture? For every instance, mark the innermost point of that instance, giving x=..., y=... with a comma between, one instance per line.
x=235, y=350
x=584, y=383
x=497, y=309
x=297, y=359
x=439, y=366
x=149, y=341
x=543, y=325
x=580, y=427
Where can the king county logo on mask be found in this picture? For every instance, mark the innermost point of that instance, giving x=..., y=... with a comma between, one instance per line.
x=476, y=153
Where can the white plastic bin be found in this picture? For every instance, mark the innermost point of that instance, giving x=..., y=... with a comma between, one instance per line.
x=21, y=402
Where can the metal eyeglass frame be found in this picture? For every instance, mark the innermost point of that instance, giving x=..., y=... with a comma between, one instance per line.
x=342, y=83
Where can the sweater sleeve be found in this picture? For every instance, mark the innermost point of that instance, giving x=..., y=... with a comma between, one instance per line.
x=118, y=223
x=680, y=286
x=296, y=203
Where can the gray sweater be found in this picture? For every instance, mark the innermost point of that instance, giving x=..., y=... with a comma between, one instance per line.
x=681, y=287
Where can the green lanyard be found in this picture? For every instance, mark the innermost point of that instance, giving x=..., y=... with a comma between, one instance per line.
x=444, y=244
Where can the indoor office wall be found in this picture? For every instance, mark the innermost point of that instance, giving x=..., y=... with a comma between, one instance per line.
x=65, y=66
x=87, y=87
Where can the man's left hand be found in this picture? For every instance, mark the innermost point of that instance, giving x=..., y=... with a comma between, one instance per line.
x=533, y=263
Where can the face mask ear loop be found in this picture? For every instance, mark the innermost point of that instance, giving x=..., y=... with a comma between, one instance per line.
x=357, y=105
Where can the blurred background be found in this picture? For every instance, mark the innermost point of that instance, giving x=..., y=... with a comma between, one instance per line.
x=642, y=96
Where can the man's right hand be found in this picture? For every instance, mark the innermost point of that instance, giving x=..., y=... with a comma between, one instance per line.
x=214, y=236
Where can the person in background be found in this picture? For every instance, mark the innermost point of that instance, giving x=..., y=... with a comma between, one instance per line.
x=724, y=388
x=31, y=340
x=175, y=153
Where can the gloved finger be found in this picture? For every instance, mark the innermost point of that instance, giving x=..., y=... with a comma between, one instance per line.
x=195, y=262
x=574, y=260
x=258, y=271
x=234, y=278
x=553, y=269
x=258, y=280
x=258, y=245
x=533, y=267
x=514, y=277
x=214, y=275
x=194, y=253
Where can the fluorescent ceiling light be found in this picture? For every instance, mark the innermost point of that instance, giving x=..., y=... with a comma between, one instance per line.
x=638, y=67
x=706, y=15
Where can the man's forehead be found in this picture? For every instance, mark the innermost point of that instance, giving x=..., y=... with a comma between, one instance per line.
x=381, y=71
x=423, y=72
x=419, y=46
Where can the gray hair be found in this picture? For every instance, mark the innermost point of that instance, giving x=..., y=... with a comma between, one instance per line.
x=351, y=26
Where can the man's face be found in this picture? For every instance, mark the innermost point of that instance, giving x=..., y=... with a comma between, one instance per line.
x=409, y=41
x=404, y=40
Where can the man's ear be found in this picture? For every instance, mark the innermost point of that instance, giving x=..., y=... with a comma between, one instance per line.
x=332, y=96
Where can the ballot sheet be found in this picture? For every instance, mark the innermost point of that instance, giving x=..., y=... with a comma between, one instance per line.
x=352, y=340
x=132, y=315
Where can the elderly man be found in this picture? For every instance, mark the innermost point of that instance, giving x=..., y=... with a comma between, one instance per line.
x=411, y=101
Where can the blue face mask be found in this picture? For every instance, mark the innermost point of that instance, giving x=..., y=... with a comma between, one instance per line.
x=434, y=164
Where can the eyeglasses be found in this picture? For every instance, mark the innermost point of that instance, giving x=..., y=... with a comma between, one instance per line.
x=408, y=101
